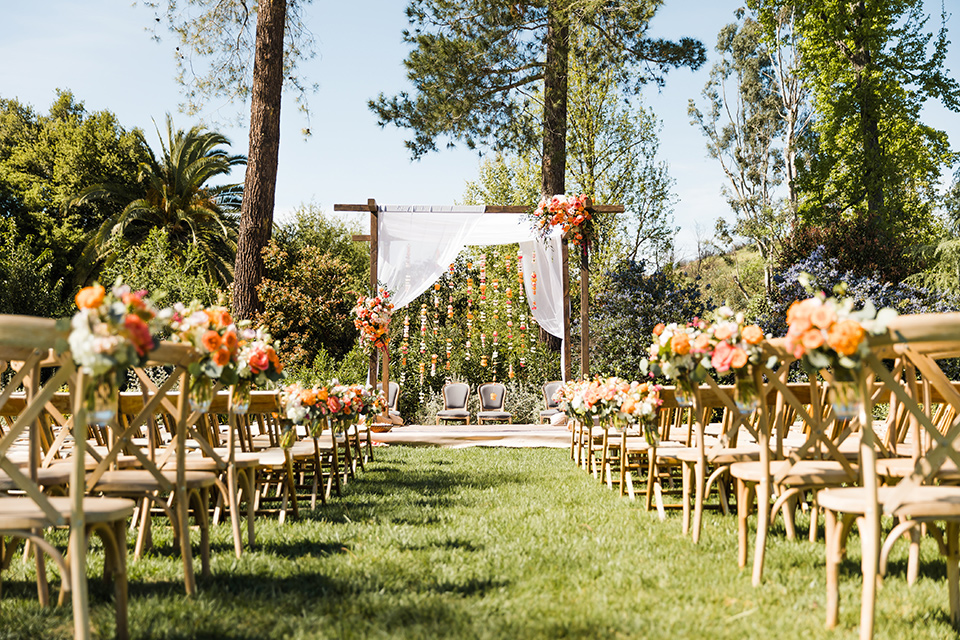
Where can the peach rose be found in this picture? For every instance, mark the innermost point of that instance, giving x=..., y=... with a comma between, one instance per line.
x=211, y=341
x=90, y=297
x=823, y=316
x=657, y=330
x=322, y=394
x=221, y=357
x=230, y=341
x=680, y=343
x=845, y=337
x=752, y=334
x=628, y=406
x=259, y=362
x=725, y=331
x=798, y=315
x=738, y=359
x=139, y=333
x=812, y=339
x=701, y=342
x=722, y=357
x=333, y=403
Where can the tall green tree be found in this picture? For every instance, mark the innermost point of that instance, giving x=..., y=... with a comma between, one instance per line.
x=871, y=66
x=174, y=194
x=244, y=50
x=744, y=127
x=481, y=68
x=45, y=160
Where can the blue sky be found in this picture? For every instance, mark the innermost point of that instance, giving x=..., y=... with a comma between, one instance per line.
x=100, y=50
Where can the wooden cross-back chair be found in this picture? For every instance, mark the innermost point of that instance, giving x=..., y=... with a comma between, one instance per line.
x=30, y=341
x=786, y=473
x=914, y=343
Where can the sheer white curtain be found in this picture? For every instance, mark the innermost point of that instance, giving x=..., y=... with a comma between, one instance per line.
x=418, y=243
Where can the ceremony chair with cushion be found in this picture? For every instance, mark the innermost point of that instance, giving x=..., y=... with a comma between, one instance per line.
x=25, y=514
x=549, y=390
x=455, y=398
x=393, y=400
x=491, y=404
x=921, y=498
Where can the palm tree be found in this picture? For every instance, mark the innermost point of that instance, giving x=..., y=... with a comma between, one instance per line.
x=174, y=196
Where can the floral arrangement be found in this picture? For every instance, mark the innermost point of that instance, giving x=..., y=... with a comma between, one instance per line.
x=734, y=343
x=113, y=329
x=570, y=212
x=612, y=398
x=373, y=318
x=257, y=360
x=213, y=335
x=332, y=401
x=680, y=350
x=640, y=405
x=826, y=332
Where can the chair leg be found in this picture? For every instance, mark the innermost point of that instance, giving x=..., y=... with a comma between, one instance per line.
x=953, y=571
x=233, y=489
x=832, y=533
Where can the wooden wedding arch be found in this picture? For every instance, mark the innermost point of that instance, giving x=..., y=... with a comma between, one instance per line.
x=373, y=239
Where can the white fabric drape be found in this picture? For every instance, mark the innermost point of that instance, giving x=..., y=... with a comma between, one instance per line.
x=418, y=243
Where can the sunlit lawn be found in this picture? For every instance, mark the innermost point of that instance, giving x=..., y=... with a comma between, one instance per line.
x=489, y=543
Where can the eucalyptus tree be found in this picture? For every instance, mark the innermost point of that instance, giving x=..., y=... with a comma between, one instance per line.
x=744, y=128
x=175, y=195
x=483, y=70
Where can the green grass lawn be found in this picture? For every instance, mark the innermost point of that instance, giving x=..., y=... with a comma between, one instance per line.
x=489, y=543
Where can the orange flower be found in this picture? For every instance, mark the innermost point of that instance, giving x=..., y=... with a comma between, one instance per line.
x=628, y=406
x=752, y=334
x=657, y=330
x=230, y=341
x=221, y=357
x=211, y=340
x=309, y=397
x=823, y=316
x=680, y=343
x=322, y=394
x=812, y=339
x=274, y=359
x=90, y=297
x=738, y=358
x=845, y=337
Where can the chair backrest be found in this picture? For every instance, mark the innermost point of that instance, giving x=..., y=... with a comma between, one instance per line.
x=394, y=396
x=455, y=395
x=491, y=396
x=550, y=390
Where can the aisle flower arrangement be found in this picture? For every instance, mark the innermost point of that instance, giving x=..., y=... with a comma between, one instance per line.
x=111, y=331
x=682, y=353
x=570, y=213
x=257, y=361
x=640, y=405
x=735, y=345
x=334, y=403
x=372, y=318
x=825, y=332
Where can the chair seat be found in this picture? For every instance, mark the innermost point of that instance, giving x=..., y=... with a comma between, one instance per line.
x=494, y=415
x=453, y=413
x=23, y=513
x=241, y=459
x=896, y=468
x=923, y=502
x=802, y=473
x=141, y=480
x=52, y=476
x=726, y=455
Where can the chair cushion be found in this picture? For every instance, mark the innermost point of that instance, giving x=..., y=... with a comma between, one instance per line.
x=453, y=413
x=494, y=415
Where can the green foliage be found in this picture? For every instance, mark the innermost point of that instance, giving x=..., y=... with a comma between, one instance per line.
x=312, y=272
x=477, y=66
x=173, y=194
x=46, y=159
x=872, y=65
x=29, y=284
x=734, y=278
x=155, y=266
x=625, y=313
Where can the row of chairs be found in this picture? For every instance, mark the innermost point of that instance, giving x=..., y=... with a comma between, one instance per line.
x=456, y=398
x=156, y=457
x=893, y=477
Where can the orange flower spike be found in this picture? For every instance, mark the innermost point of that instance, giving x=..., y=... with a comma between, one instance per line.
x=211, y=341
x=90, y=297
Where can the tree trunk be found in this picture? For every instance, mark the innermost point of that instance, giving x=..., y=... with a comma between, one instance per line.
x=260, y=183
x=869, y=123
x=554, y=167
